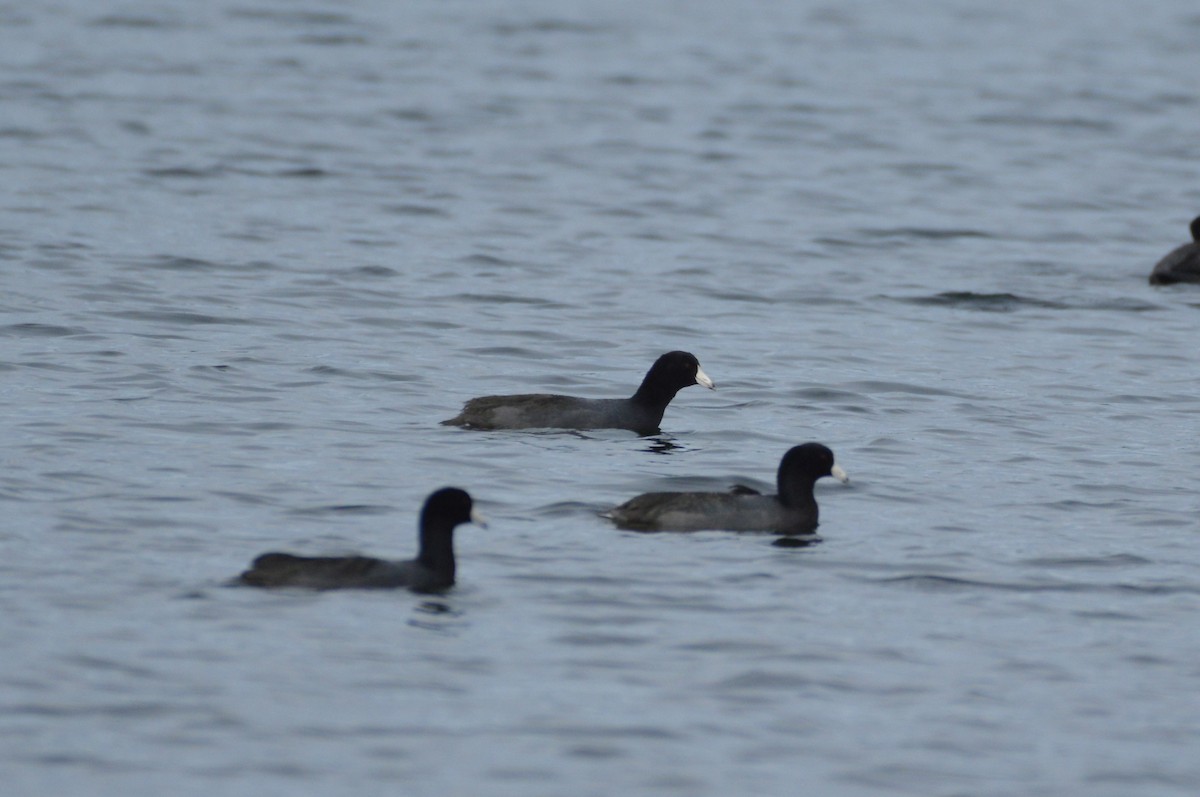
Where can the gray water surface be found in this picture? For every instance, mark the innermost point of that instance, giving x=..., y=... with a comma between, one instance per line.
x=254, y=252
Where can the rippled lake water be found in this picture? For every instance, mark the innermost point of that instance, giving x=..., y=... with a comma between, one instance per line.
x=253, y=253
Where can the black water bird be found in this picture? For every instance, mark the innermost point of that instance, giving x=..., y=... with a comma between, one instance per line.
x=641, y=413
x=431, y=571
x=792, y=511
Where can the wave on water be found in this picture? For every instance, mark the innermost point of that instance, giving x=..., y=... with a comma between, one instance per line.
x=947, y=583
x=985, y=302
x=1010, y=302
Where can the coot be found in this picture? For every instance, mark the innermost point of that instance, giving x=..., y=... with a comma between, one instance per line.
x=792, y=511
x=431, y=571
x=641, y=413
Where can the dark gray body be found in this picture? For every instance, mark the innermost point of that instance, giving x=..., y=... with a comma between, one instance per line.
x=1182, y=264
x=343, y=572
x=542, y=410
x=726, y=511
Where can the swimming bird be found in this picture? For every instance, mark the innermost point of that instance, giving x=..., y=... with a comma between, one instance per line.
x=641, y=413
x=431, y=571
x=792, y=511
x=1181, y=264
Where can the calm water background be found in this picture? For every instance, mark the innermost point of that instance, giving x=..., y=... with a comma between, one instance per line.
x=254, y=251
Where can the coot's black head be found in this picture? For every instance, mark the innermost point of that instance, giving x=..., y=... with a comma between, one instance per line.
x=448, y=507
x=807, y=463
x=1195, y=228
x=676, y=370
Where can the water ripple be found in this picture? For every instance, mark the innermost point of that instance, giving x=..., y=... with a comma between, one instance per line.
x=955, y=583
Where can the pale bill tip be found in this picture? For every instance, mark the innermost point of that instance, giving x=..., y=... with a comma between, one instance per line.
x=702, y=379
x=839, y=474
x=478, y=519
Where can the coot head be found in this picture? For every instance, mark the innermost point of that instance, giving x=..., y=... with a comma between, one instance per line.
x=676, y=370
x=804, y=464
x=448, y=507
